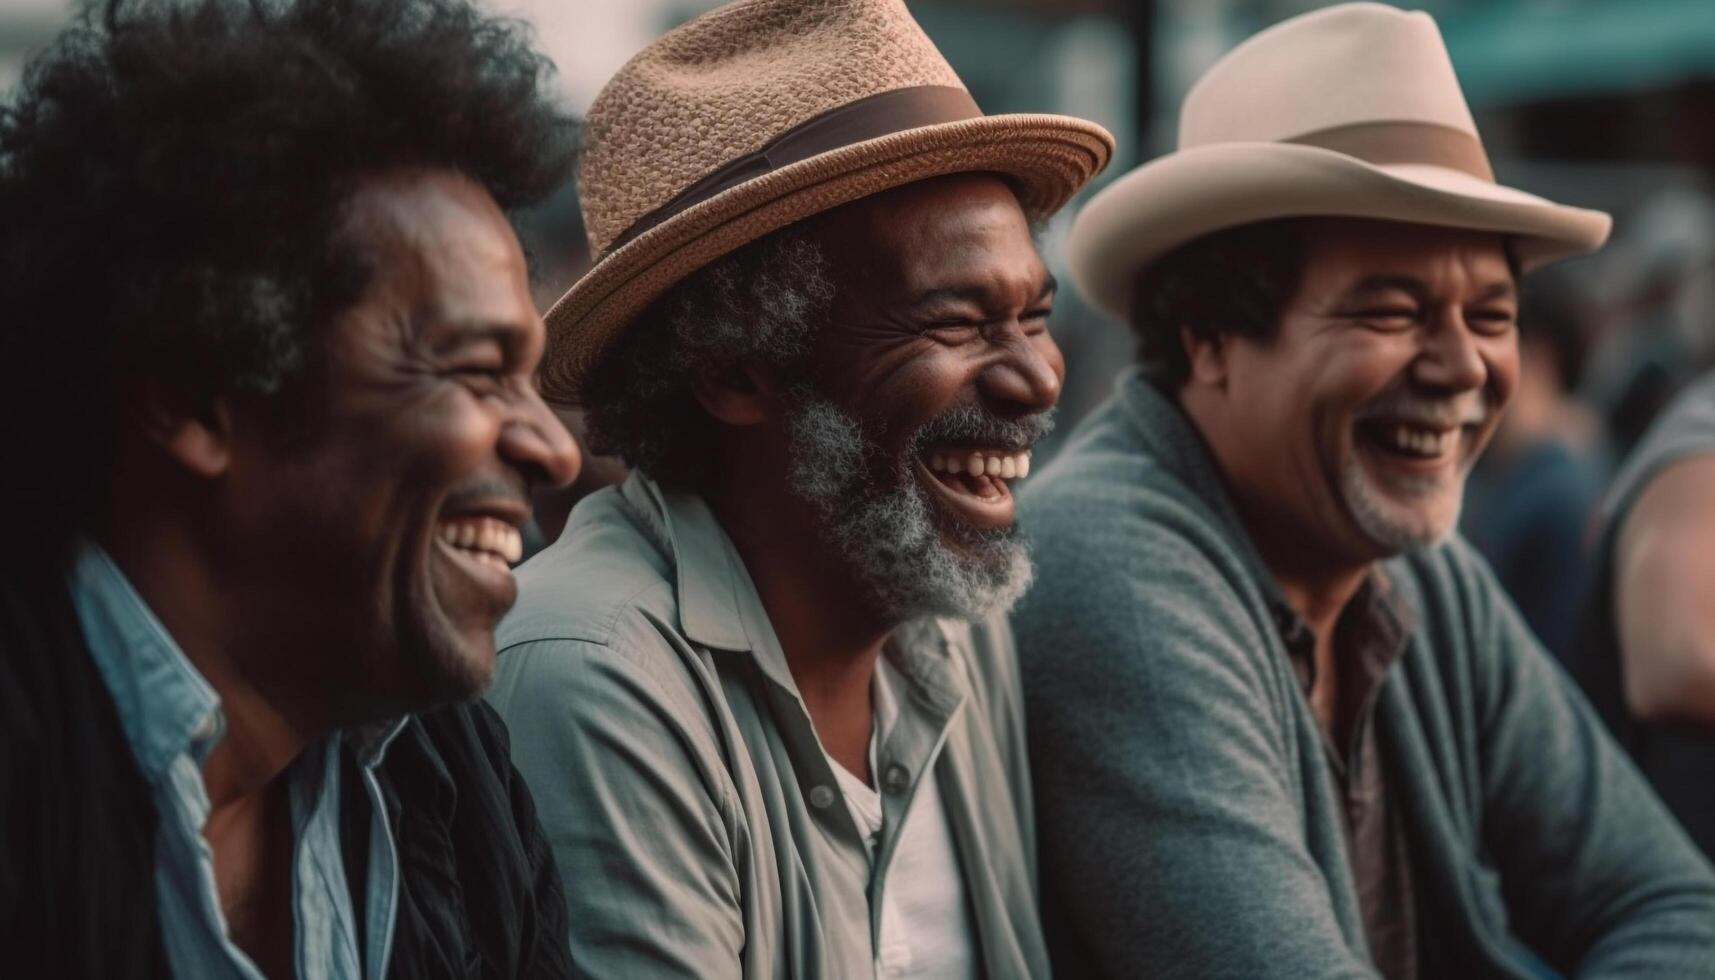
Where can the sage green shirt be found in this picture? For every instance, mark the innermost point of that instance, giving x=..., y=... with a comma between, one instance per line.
x=698, y=825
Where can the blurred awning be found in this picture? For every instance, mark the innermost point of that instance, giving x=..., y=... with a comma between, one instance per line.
x=1508, y=53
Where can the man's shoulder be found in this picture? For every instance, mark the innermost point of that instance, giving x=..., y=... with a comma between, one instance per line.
x=1684, y=430
x=596, y=631
x=1107, y=517
x=1109, y=481
x=1460, y=612
x=1102, y=465
x=1443, y=578
x=606, y=567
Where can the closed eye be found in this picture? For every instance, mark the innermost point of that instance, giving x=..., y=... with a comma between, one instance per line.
x=1036, y=321
x=1387, y=317
x=947, y=330
x=483, y=378
x=1490, y=321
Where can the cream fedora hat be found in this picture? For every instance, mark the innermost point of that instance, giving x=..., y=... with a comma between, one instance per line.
x=765, y=112
x=1349, y=111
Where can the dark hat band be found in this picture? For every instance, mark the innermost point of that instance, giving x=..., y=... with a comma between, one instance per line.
x=1405, y=142
x=877, y=115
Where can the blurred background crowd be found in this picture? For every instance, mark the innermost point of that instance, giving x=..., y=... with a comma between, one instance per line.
x=1608, y=104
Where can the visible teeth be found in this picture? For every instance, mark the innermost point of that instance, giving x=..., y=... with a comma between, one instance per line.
x=1423, y=442
x=977, y=464
x=487, y=539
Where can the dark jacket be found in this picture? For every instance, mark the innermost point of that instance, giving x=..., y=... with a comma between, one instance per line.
x=479, y=893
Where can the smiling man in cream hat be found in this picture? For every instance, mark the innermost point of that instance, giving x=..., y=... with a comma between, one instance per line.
x=1283, y=723
x=762, y=690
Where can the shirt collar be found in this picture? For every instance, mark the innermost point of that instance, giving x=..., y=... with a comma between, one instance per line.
x=1375, y=628
x=718, y=603
x=369, y=743
x=165, y=706
x=720, y=608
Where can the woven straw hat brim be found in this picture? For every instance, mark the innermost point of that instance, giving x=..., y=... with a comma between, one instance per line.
x=1184, y=195
x=1050, y=156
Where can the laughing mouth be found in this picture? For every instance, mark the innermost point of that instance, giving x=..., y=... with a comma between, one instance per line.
x=981, y=473
x=488, y=540
x=1415, y=441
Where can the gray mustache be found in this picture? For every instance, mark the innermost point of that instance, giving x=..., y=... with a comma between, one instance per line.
x=970, y=423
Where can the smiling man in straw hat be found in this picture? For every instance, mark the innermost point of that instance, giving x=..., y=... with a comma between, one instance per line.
x=762, y=689
x=1283, y=723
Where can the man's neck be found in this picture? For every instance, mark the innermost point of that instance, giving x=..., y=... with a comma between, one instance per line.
x=1319, y=593
x=260, y=741
x=248, y=829
x=831, y=642
x=1314, y=576
x=1319, y=600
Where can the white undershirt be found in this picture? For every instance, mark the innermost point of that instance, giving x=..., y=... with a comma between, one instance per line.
x=925, y=918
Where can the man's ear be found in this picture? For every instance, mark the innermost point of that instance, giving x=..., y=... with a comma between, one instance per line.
x=739, y=394
x=199, y=440
x=1207, y=357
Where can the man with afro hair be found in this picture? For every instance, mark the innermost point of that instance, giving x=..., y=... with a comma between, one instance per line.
x=271, y=428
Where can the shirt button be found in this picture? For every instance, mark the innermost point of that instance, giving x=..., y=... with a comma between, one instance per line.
x=897, y=778
x=822, y=797
x=206, y=728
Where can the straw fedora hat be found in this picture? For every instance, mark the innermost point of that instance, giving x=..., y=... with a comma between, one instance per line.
x=1349, y=111
x=762, y=113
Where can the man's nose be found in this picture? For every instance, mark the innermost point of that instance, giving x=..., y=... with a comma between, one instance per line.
x=1450, y=358
x=1027, y=377
x=538, y=442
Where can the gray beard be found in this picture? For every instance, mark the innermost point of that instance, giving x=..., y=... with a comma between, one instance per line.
x=1394, y=534
x=888, y=536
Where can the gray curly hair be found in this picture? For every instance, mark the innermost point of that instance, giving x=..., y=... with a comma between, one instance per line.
x=764, y=304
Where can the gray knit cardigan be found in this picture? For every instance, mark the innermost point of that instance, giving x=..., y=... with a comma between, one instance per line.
x=1187, y=816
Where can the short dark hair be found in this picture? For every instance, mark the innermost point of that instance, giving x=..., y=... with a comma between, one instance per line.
x=765, y=303
x=173, y=178
x=1233, y=281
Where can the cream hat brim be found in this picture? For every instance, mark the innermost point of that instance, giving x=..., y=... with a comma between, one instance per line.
x=1049, y=156
x=1185, y=195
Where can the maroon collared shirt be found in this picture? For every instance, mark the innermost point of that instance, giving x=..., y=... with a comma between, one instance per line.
x=1369, y=638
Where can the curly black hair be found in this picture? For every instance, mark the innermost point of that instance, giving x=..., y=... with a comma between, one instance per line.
x=1234, y=281
x=173, y=180
x=173, y=175
x=764, y=303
